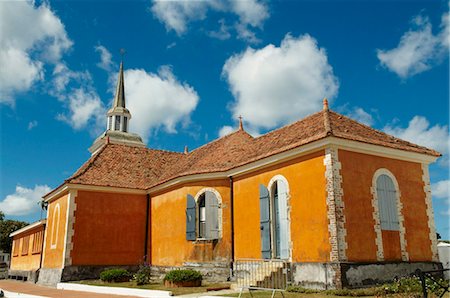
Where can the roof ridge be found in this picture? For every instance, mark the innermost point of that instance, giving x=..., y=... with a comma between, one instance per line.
x=288, y=125
x=384, y=133
x=92, y=160
x=326, y=122
x=221, y=138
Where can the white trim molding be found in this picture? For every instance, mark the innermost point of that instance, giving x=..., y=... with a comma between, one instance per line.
x=376, y=215
x=335, y=205
x=70, y=222
x=219, y=211
x=430, y=213
x=56, y=208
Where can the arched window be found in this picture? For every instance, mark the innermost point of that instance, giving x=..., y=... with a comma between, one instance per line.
x=203, y=216
x=55, y=227
x=387, y=203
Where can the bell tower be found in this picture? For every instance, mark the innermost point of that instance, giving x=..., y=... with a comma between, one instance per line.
x=118, y=118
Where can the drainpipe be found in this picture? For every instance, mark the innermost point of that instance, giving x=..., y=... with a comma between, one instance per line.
x=147, y=219
x=232, y=224
x=42, y=246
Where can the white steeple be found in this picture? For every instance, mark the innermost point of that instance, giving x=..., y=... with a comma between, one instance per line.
x=119, y=115
x=118, y=118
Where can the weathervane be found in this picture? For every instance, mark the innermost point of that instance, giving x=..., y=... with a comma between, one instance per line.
x=122, y=53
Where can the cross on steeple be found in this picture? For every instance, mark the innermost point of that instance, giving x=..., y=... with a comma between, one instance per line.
x=241, y=125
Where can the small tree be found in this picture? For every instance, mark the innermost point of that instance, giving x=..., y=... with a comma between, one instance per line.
x=7, y=226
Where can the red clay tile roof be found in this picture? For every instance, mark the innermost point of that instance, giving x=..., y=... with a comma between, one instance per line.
x=142, y=168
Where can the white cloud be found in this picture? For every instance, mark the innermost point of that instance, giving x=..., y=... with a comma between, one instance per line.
x=361, y=116
x=63, y=77
x=85, y=108
x=32, y=124
x=441, y=189
x=418, y=50
x=176, y=15
x=24, y=200
x=420, y=132
x=158, y=100
x=105, y=58
x=26, y=46
x=223, y=33
x=226, y=130
x=273, y=86
x=250, y=12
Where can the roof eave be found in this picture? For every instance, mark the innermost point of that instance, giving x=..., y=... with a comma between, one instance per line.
x=28, y=227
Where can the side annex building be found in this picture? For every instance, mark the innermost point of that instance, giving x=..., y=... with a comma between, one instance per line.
x=344, y=204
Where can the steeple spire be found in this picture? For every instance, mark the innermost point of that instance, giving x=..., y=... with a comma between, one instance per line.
x=117, y=120
x=119, y=115
x=119, y=99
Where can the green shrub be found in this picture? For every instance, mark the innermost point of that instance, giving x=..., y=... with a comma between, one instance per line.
x=115, y=275
x=142, y=276
x=183, y=275
x=296, y=289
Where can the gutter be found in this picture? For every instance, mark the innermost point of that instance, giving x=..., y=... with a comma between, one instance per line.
x=147, y=219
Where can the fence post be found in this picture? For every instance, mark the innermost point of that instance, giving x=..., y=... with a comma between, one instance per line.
x=422, y=281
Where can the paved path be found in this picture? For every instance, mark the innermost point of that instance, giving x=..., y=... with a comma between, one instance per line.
x=33, y=289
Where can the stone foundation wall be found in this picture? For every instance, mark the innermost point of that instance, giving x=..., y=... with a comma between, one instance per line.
x=211, y=272
x=25, y=275
x=49, y=277
x=355, y=275
x=320, y=276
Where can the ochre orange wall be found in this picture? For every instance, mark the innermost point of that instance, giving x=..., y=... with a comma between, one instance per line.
x=30, y=261
x=309, y=221
x=357, y=173
x=169, y=244
x=109, y=229
x=53, y=257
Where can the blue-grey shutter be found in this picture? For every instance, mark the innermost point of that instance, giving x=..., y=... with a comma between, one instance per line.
x=264, y=213
x=283, y=219
x=393, y=209
x=190, y=218
x=387, y=203
x=212, y=216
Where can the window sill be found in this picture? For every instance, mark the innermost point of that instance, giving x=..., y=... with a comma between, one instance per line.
x=204, y=240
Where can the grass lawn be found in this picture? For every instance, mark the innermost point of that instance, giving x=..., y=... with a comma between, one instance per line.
x=132, y=284
x=268, y=294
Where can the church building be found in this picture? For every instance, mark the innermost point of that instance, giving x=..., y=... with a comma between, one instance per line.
x=342, y=203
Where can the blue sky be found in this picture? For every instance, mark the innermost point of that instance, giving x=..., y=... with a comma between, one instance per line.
x=193, y=67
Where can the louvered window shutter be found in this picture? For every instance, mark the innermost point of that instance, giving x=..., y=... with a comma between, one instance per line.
x=212, y=216
x=264, y=213
x=190, y=218
x=387, y=203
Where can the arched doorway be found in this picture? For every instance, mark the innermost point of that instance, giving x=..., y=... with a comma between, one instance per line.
x=274, y=220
